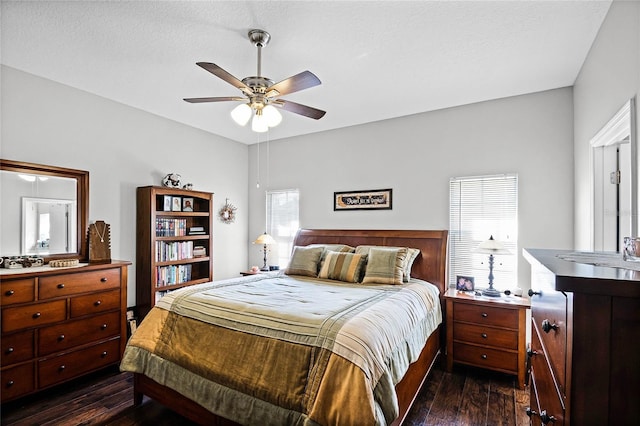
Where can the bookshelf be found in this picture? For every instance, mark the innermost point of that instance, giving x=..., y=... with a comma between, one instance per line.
x=174, y=242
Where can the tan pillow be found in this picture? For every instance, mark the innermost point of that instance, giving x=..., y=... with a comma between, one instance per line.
x=343, y=266
x=385, y=265
x=412, y=254
x=304, y=261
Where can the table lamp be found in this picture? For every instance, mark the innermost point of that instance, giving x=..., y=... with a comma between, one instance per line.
x=491, y=247
x=264, y=239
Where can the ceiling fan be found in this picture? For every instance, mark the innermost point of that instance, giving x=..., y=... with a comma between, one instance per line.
x=261, y=95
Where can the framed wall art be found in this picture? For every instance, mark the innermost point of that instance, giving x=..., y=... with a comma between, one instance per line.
x=373, y=199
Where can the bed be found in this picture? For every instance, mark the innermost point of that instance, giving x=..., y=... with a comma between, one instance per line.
x=218, y=354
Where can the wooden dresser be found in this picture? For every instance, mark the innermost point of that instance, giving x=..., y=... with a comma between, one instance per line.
x=585, y=367
x=58, y=324
x=487, y=332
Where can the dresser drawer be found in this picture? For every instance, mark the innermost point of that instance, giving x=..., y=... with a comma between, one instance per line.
x=494, y=359
x=37, y=314
x=17, y=347
x=18, y=291
x=60, y=337
x=549, y=310
x=484, y=335
x=81, y=282
x=65, y=367
x=546, y=391
x=17, y=381
x=95, y=303
x=478, y=314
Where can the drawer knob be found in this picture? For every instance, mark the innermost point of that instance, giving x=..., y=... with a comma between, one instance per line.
x=98, y=302
x=545, y=418
x=103, y=326
x=62, y=368
x=484, y=356
x=9, y=293
x=36, y=315
x=532, y=293
x=10, y=383
x=61, y=337
x=531, y=412
x=484, y=315
x=547, y=326
x=103, y=354
x=103, y=279
x=484, y=335
x=60, y=286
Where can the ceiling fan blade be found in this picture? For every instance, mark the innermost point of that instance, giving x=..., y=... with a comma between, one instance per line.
x=305, y=110
x=304, y=80
x=216, y=99
x=219, y=72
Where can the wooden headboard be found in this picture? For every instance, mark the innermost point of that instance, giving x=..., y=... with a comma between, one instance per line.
x=430, y=265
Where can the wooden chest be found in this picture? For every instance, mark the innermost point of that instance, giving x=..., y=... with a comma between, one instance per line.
x=60, y=324
x=585, y=324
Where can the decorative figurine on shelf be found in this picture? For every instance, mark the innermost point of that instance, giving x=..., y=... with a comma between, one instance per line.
x=228, y=212
x=99, y=242
x=188, y=186
x=172, y=180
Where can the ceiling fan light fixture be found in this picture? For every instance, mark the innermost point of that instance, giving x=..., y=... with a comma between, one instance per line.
x=272, y=115
x=241, y=114
x=259, y=123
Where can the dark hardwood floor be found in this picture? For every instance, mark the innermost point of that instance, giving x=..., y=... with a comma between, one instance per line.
x=465, y=397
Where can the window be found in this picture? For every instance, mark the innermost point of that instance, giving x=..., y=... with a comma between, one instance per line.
x=481, y=207
x=283, y=221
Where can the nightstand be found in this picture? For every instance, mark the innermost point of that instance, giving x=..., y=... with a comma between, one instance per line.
x=487, y=332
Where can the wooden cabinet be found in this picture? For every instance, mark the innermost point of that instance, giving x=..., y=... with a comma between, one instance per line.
x=487, y=332
x=174, y=244
x=58, y=324
x=585, y=322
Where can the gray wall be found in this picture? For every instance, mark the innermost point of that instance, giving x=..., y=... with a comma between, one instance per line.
x=123, y=148
x=609, y=77
x=531, y=135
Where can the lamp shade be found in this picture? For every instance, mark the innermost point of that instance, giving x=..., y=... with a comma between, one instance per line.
x=241, y=114
x=259, y=123
x=492, y=246
x=272, y=115
x=264, y=239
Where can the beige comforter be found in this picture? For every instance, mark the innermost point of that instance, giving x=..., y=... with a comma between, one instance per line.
x=275, y=349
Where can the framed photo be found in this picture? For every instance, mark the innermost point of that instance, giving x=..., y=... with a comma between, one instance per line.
x=176, y=205
x=187, y=204
x=464, y=283
x=374, y=199
x=167, y=203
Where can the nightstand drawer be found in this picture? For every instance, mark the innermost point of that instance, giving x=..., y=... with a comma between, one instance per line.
x=478, y=314
x=483, y=335
x=486, y=357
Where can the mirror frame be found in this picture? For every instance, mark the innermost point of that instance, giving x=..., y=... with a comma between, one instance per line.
x=82, y=199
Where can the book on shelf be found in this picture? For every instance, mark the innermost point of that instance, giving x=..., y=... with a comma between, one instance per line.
x=197, y=230
x=199, y=251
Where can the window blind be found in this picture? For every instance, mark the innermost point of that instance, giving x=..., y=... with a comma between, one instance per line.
x=282, y=222
x=481, y=207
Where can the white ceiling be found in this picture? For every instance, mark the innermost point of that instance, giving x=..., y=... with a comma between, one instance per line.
x=376, y=60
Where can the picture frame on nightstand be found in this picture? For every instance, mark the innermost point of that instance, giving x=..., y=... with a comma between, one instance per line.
x=465, y=283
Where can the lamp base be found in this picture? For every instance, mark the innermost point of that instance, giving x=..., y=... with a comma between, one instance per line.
x=264, y=269
x=491, y=292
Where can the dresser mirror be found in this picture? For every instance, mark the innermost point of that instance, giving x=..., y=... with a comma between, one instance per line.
x=44, y=211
